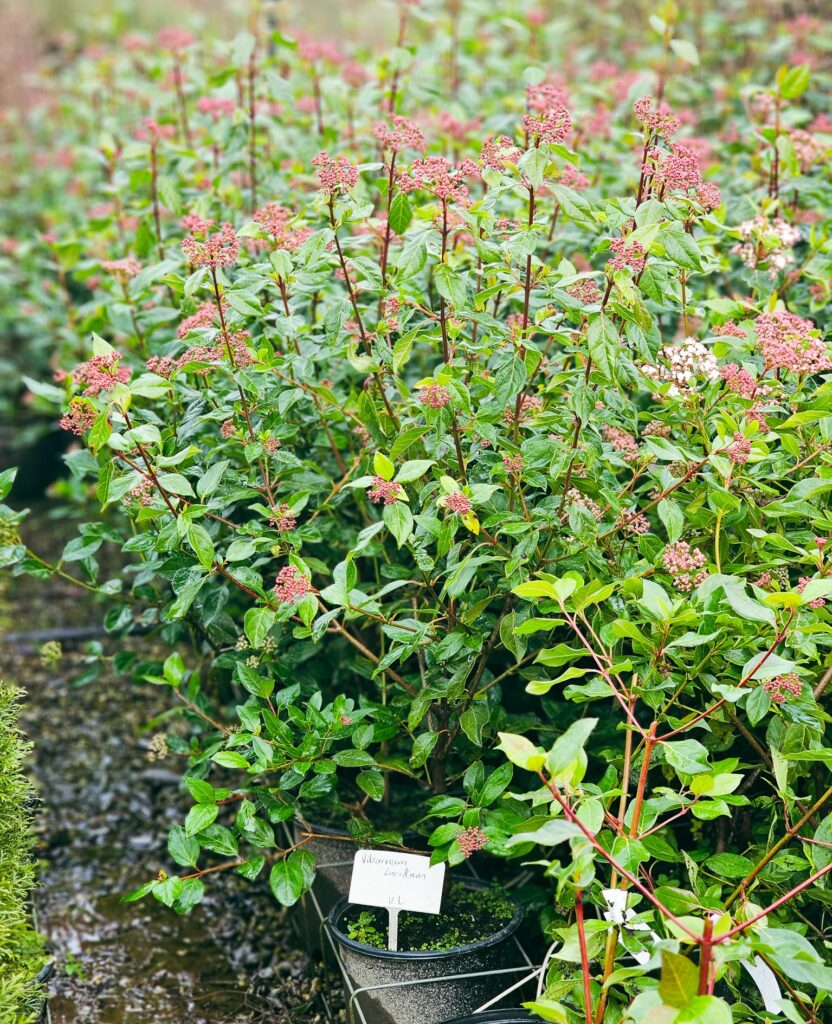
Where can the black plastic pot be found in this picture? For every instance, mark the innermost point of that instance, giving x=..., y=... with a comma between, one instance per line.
x=333, y=854
x=417, y=995
x=513, y=1015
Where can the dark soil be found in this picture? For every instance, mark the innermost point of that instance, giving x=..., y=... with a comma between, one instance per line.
x=468, y=915
x=104, y=814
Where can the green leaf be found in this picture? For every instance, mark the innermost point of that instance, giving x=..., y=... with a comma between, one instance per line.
x=567, y=747
x=382, y=466
x=758, y=704
x=200, y=541
x=182, y=847
x=473, y=720
x=243, y=302
x=450, y=285
x=422, y=748
x=7, y=479
x=288, y=879
x=401, y=213
x=731, y=865
x=168, y=890
x=551, y=833
x=229, y=759
x=521, y=751
x=175, y=483
x=793, y=82
x=200, y=816
x=399, y=521
x=747, y=607
x=413, y=470
x=681, y=248
x=705, y=1010
x=679, y=979
x=687, y=51
x=687, y=756
x=210, y=479
x=257, y=623
x=603, y=346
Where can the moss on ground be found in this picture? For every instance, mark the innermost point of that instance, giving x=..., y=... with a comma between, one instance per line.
x=21, y=951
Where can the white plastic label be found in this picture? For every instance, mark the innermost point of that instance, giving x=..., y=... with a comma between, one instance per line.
x=397, y=881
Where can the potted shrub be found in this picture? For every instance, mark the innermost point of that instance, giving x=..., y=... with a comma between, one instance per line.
x=417, y=430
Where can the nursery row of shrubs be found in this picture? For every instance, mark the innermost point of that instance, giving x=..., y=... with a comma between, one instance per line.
x=464, y=417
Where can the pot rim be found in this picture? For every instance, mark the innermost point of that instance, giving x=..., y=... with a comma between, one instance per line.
x=507, y=1016
x=494, y=939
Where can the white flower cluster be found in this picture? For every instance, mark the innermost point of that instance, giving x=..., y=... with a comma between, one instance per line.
x=767, y=240
x=682, y=365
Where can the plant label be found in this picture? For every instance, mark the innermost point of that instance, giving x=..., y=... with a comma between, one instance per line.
x=397, y=881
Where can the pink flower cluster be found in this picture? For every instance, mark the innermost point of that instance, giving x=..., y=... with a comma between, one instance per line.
x=335, y=174
x=627, y=254
x=151, y=131
x=385, y=491
x=174, y=39
x=126, y=267
x=574, y=497
x=807, y=148
x=100, y=373
x=513, y=464
x=215, y=106
x=194, y=224
x=282, y=518
x=218, y=250
x=471, y=840
x=226, y=346
x=678, y=170
x=685, y=564
x=788, y=342
x=635, y=523
x=622, y=441
x=291, y=585
x=586, y=291
x=79, y=418
x=457, y=502
x=498, y=151
x=546, y=96
x=661, y=121
x=552, y=126
x=441, y=177
x=204, y=317
x=781, y=688
x=729, y=330
x=434, y=396
x=399, y=134
x=739, y=380
x=274, y=220
x=530, y=406
x=739, y=450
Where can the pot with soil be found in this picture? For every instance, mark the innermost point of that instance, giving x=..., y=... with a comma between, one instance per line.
x=467, y=944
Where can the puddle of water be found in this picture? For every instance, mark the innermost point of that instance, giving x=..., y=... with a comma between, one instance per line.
x=101, y=832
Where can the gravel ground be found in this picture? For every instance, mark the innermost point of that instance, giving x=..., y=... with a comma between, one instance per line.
x=105, y=810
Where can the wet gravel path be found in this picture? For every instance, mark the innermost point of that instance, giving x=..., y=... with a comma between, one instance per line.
x=105, y=810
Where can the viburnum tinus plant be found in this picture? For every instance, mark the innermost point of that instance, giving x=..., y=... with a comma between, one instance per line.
x=435, y=398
